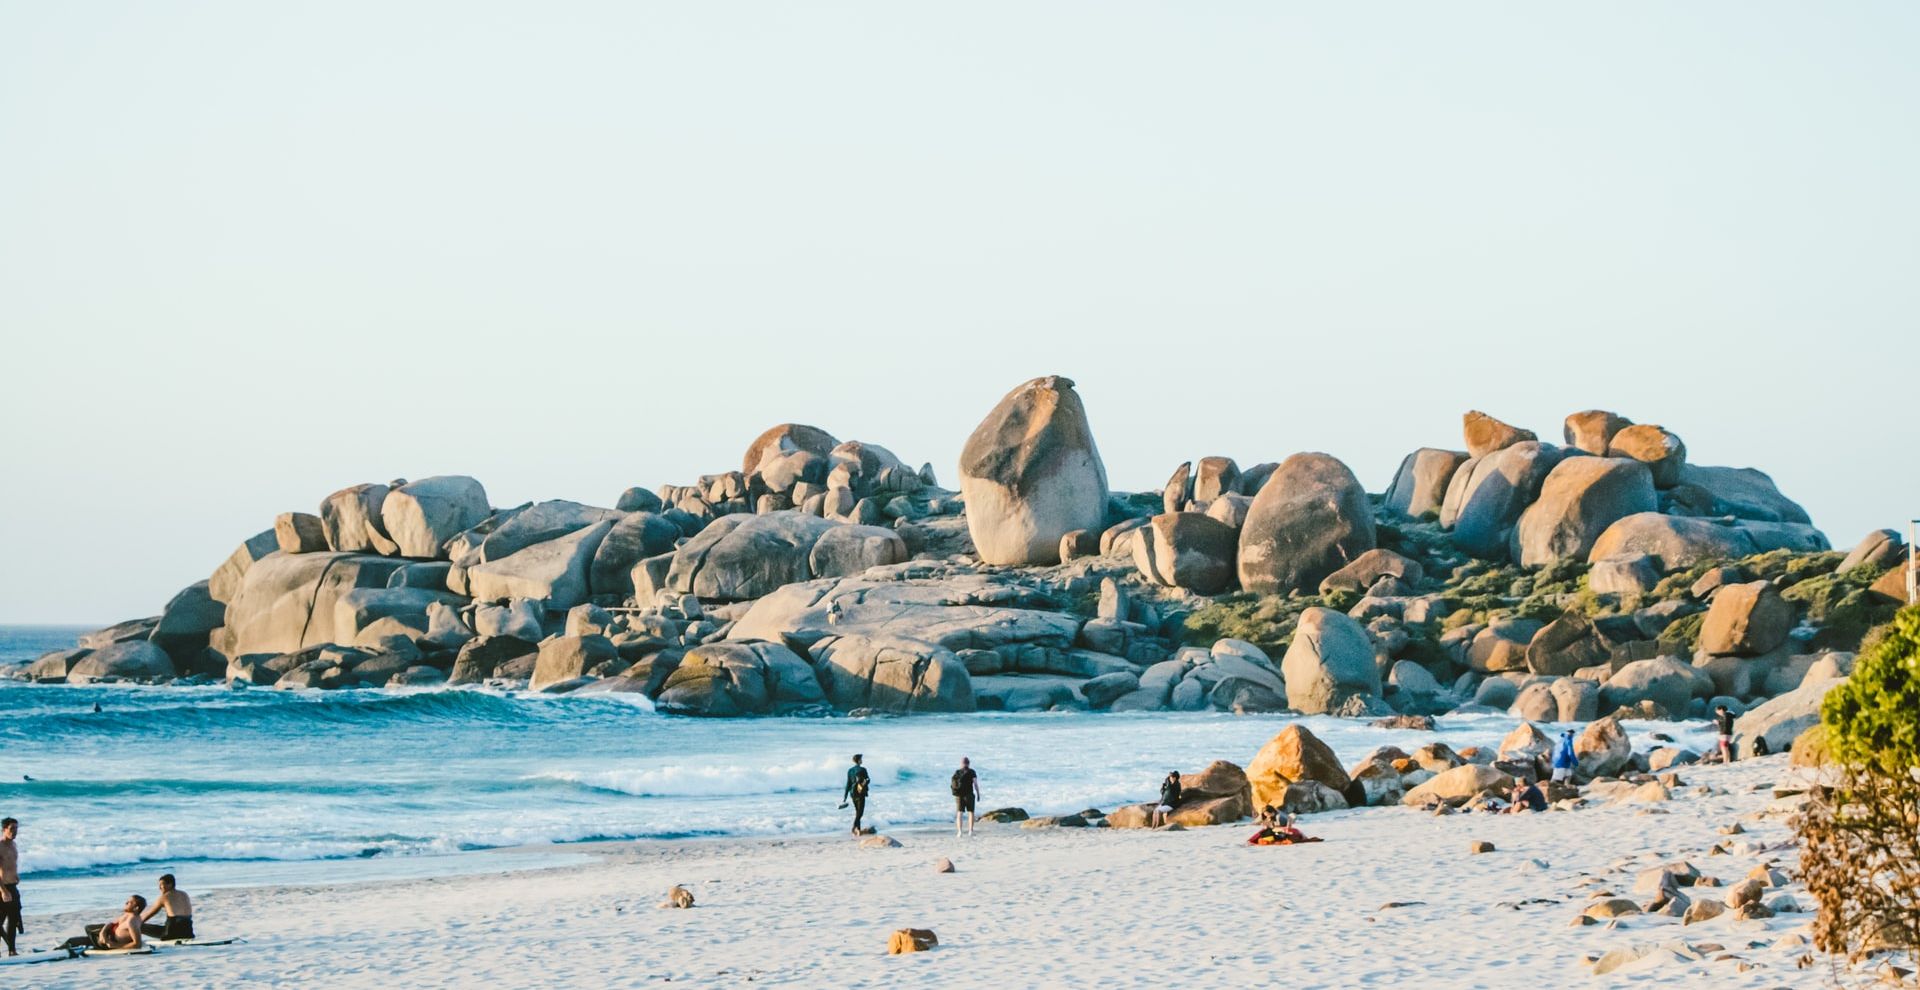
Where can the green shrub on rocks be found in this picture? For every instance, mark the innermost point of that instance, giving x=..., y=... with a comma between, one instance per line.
x=1842, y=608
x=1684, y=633
x=1266, y=621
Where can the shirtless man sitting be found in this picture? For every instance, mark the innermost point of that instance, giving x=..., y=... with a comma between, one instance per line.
x=120, y=933
x=179, y=908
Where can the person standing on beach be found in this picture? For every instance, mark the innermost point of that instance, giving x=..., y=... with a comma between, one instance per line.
x=1564, y=758
x=966, y=795
x=857, y=784
x=1723, y=719
x=10, y=923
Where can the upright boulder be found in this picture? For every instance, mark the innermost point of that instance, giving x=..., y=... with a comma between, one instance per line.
x=1187, y=550
x=351, y=520
x=1420, y=486
x=226, y=579
x=1329, y=661
x=1656, y=447
x=1579, y=499
x=1485, y=434
x=1593, y=430
x=1746, y=620
x=1179, y=488
x=1602, y=748
x=1216, y=476
x=299, y=532
x=288, y=602
x=1309, y=520
x=1030, y=474
x=634, y=538
x=421, y=516
x=1487, y=496
x=1295, y=754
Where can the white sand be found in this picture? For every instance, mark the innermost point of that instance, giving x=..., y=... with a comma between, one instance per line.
x=1065, y=907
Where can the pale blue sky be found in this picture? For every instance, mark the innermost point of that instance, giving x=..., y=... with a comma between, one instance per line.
x=251, y=253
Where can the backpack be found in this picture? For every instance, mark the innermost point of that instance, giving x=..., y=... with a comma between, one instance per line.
x=958, y=788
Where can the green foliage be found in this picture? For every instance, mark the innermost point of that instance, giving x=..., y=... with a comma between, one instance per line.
x=1265, y=621
x=1684, y=633
x=1793, y=567
x=1538, y=608
x=1873, y=719
x=1842, y=606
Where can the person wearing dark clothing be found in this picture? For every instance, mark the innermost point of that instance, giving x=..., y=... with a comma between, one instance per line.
x=1169, y=800
x=856, y=791
x=10, y=924
x=1723, y=719
x=966, y=795
x=1527, y=797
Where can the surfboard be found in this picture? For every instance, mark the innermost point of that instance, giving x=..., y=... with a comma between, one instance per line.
x=145, y=950
x=191, y=942
x=43, y=955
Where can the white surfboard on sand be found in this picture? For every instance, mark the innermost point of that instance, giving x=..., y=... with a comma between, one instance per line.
x=145, y=950
x=40, y=956
x=193, y=942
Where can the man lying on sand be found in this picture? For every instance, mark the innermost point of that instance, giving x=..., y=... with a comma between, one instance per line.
x=179, y=908
x=120, y=933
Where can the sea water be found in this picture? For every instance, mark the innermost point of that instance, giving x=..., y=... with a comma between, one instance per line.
x=259, y=786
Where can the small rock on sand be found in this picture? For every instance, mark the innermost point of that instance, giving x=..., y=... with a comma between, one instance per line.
x=944, y=865
x=678, y=897
x=911, y=940
x=1481, y=847
x=879, y=842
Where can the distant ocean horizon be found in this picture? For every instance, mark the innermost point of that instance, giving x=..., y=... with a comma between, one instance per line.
x=247, y=786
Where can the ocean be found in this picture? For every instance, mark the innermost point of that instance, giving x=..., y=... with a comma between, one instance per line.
x=227, y=787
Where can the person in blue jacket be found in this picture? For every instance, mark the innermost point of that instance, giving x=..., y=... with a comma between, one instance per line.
x=1563, y=758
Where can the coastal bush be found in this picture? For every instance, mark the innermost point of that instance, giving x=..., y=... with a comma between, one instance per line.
x=1266, y=621
x=1862, y=833
x=1684, y=633
x=1841, y=606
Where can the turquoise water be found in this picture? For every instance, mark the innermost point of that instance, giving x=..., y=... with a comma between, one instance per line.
x=255, y=786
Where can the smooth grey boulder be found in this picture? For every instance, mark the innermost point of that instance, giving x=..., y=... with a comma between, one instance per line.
x=1030, y=474
x=53, y=667
x=1309, y=520
x=737, y=678
x=891, y=674
x=351, y=521
x=567, y=658
x=1625, y=574
x=958, y=611
x=638, y=499
x=1231, y=510
x=1103, y=691
x=740, y=557
x=119, y=632
x=1187, y=550
x=1744, y=493
x=299, y=532
x=1577, y=699
x=430, y=575
x=1420, y=485
x=1678, y=542
x=1488, y=494
x=1662, y=680
x=783, y=439
x=226, y=579
x=556, y=572
x=133, y=660
x=519, y=618
x=421, y=516
x=287, y=602
x=541, y=522
x=1578, y=500
x=846, y=550
x=1781, y=720
x=633, y=538
x=184, y=624
x=486, y=656
x=1329, y=661
x=356, y=610
x=1368, y=568
x=1798, y=537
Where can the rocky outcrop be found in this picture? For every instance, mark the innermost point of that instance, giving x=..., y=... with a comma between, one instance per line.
x=351, y=520
x=891, y=674
x=1187, y=550
x=1329, y=661
x=287, y=602
x=787, y=438
x=1677, y=542
x=1743, y=493
x=1746, y=620
x=1311, y=519
x=1488, y=494
x=727, y=679
x=1420, y=486
x=1579, y=499
x=133, y=660
x=1593, y=430
x=955, y=610
x=1485, y=434
x=1030, y=474
x=556, y=571
x=1882, y=548
x=633, y=538
x=1780, y=720
x=299, y=532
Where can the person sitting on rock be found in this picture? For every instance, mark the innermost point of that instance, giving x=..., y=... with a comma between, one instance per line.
x=122, y=932
x=1527, y=797
x=1169, y=800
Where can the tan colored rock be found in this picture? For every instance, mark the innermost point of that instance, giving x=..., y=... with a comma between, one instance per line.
x=1293, y=754
x=1602, y=748
x=785, y=439
x=1485, y=434
x=1030, y=474
x=943, y=865
x=1747, y=891
x=1612, y=907
x=1661, y=451
x=1746, y=620
x=299, y=532
x=912, y=940
x=879, y=842
x=1459, y=785
x=1310, y=519
x=1579, y=499
x=1420, y=486
x=1188, y=550
x=1480, y=847
x=1593, y=430
x=678, y=897
x=1702, y=910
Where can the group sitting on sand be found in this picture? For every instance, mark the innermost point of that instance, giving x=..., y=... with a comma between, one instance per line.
x=130, y=929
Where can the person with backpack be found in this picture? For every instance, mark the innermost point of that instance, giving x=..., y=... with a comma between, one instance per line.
x=966, y=795
x=858, y=781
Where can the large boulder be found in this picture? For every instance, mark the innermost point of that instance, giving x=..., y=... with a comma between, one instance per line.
x=133, y=660
x=421, y=516
x=1460, y=785
x=742, y=556
x=288, y=602
x=1420, y=486
x=1744, y=493
x=1214, y=477
x=1593, y=430
x=485, y=656
x=1579, y=499
x=224, y=585
x=1602, y=748
x=299, y=532
x=1502, y=645
x=1187, y=550
x=847, y=550
x=1659, y=449
x=1746, y=620
x=1662, y=680
x=1781, y=719
x=1329, y=661
x=1678, y=542
x=956, y=610
x=556, y=572
x=890, y=674
x=186, y=621
x=351, y=520
x=1565, y=645
x=738, y=678
x=1485, y=434
x=541, y=522
x=566, y=658
x=1311, y=519
x=1030, y=474
x=634, y=538
x=1293, y=755
x=1488, y=494
x=1881, y=548
x=784, y=439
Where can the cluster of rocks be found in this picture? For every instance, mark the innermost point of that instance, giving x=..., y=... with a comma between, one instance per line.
x=828, y=575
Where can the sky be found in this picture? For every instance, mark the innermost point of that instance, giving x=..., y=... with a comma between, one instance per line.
x=253, y=253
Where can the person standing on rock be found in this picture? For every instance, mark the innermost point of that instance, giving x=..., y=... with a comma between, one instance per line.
x=10, y=923
x=1724, y=720
x=858, y=782
x=1169, y=800
x=1564, y=758
x=966, y=795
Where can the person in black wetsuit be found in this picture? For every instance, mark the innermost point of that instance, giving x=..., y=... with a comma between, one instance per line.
x=1169, y=800
x=1723, y=719
x=857, y=784
x=966, y=795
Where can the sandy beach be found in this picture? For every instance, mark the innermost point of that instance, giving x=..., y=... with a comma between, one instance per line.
x=1036, y=907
